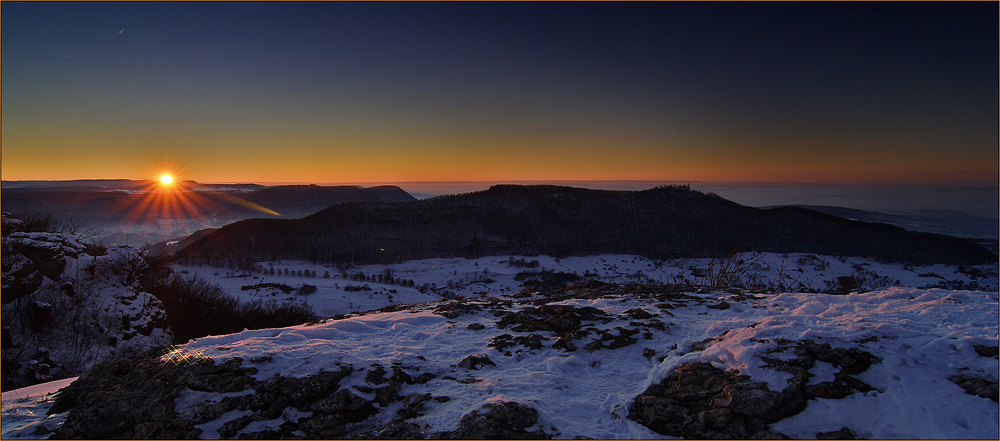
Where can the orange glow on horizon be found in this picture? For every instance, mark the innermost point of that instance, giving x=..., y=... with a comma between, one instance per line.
x=171, y=200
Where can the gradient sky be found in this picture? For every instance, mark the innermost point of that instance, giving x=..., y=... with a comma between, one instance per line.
x=392, y=92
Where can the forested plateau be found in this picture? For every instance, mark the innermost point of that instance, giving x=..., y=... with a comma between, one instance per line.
x=659, y=223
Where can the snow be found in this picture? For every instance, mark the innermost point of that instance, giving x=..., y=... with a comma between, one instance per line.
x=24, y=410
x=922, y=334
x=96, y=311
x=471, y=277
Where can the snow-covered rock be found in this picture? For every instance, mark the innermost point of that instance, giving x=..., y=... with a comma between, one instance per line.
x=572, y=363
x=79, y=308
x=31, y=257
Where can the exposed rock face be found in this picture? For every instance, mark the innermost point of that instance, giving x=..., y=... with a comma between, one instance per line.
x=129, y=397
x=32, y=257
x=74, y=307
x=698, y=400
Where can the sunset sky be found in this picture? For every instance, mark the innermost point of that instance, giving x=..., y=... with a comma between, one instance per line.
x=402, y=92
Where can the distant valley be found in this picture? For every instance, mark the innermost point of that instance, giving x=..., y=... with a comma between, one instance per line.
x=144, y=211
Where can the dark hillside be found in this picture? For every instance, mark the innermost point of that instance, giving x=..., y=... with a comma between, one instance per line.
x=658, y=223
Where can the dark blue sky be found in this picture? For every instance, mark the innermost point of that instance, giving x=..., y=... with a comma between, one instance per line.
x=358, y=92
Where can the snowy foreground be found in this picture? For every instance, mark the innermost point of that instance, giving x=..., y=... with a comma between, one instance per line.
x=923, y=336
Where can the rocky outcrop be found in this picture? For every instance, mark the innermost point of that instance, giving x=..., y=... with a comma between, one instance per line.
x=697, y=400
x=31, y=257
x=134, y=397
x=131, y=397
x=500, y=420
x=700, y=401
x=71, y=306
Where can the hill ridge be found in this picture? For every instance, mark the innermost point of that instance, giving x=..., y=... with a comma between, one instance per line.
x=658, y=223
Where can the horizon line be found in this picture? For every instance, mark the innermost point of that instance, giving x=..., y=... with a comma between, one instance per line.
x=516, y=182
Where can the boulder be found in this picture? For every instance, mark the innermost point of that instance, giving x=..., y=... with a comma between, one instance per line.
x=500, y=420
x=473, y=362
x=698, y=400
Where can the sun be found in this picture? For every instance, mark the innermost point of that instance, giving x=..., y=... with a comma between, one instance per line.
x=166, y=179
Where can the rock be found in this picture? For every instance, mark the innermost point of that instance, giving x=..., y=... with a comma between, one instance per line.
x=476, y=326
x=988, y=351
x=853, y=361
x=133, y=397
x=699, y=346
x=400, y=376
x=377, y=375
x=500, y=420
x=502, y=341
x=331, y=414
x=388, y=394
x=560, y=319
x=638, y=314
x=456, y=308
x=721, y=305
x=396, y=429
x=698, y=400
x=343, y=401
x=531, y=341
x=564, y=343
x=324, y=426
x=128, y=397
x=301, y=391
x=977, y=386
x=845, y=433
x=264, y=434
x=473, y=361
x=229, y=429
x=35, y=255
x=608, y=340
x=424, y=378
x=413, y=405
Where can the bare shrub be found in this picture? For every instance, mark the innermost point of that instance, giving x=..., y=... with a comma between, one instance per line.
x=196, y=308
x=734, y=269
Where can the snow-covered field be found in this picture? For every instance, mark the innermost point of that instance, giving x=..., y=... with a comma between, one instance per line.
x=922, y=334
x=495, y=276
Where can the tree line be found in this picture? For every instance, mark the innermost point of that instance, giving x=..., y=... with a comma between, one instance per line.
x=659, y=223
